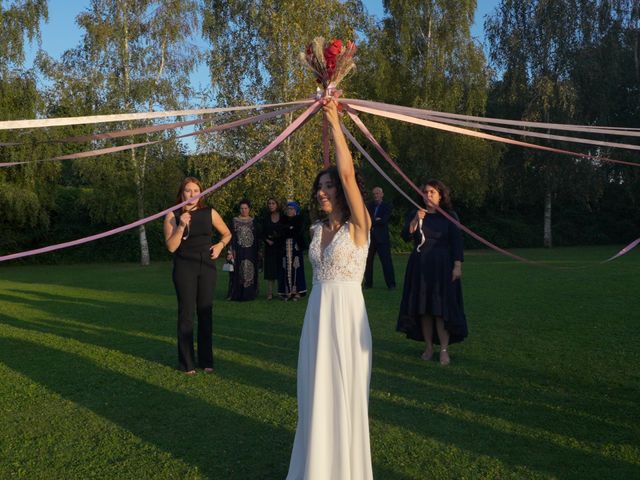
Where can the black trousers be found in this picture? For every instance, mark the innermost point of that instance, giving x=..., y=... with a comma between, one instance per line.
x=384, y=252
x=194, y=278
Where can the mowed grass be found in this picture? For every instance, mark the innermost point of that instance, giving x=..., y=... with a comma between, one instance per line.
x=546, y=385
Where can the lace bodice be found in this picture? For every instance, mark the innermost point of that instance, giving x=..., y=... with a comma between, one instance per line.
x=341, y=260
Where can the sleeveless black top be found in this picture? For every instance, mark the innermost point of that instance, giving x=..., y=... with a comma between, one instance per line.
x=198, y=234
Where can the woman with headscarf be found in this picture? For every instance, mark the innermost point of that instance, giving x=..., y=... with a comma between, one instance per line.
x=291, y=282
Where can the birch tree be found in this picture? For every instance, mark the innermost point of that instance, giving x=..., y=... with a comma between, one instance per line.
x=254, y=59
x=134, y=56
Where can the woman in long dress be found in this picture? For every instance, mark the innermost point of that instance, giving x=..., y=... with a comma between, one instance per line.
x=272, y=237
x=432, y=292
x=244, y=252
x=291, y=281
x=334, y=362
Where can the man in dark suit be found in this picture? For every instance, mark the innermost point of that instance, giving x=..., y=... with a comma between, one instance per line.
x=380, y=243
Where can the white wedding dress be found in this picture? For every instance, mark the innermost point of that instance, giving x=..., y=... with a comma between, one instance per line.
x=334, y=367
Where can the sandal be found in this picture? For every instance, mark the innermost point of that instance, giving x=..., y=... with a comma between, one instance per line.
x=190, y=373
x=208, y=370
x=427, y=355
x=444, y=357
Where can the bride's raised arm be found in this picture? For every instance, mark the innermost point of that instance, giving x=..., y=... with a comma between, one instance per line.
x=344, y=162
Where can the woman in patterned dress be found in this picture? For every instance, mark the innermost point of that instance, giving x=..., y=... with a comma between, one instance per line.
x=244, y=253
x=291, y=283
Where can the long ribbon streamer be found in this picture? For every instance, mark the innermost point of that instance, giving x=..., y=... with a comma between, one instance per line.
x=387, y=157
x=122, y=117
x=123, y=133
x=325, y=142
x=620, y=131
x=624, y=251
x=384, y=175
x=132, y=146
x=297, y=123
x=485, y=136
x=528, y=133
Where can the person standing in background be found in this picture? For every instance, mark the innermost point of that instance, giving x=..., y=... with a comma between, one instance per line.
x=291, y=281
x=244, y=252
x=187, y=232
x=432, y=294
x=272, y=237
x=380, y=213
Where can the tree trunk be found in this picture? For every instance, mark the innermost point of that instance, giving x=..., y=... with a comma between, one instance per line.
x=145, y=259
x=547, y=220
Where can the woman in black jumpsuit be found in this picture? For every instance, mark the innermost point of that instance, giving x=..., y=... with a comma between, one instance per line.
x=187, y=233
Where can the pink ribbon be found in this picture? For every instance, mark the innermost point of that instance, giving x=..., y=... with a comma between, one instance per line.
x=621, y=131
x=325, y=142
x=386, y=156
x=485, y=136
x=125, y=117
x=132, y=146
x=279, y=139
x=527, y=133
x=624, y=251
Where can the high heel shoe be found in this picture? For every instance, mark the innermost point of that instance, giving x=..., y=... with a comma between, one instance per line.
x=444, y=357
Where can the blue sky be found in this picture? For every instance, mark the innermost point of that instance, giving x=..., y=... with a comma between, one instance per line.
x=61, y=32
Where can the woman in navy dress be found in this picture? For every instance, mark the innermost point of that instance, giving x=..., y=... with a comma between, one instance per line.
x=244, y=252
x=432, y=294
x=272, y=236
x=187, y=233
x=291, y=282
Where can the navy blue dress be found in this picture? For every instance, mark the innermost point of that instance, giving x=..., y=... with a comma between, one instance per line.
x=245, y=248
x=272, y=253
x=291, y=280
x=428, y=289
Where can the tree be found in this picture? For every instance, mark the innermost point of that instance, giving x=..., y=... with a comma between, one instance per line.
x=25, y=198
x=556, y=58
x=20, y=19
x=254, y=59
x=423, y=56
x=134, y=56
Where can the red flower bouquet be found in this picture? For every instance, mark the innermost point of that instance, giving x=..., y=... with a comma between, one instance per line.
x=330, y=62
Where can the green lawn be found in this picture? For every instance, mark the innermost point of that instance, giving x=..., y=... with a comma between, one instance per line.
x=546, y=386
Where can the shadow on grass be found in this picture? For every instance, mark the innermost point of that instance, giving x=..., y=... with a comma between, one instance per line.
x=128, y=328
x=220, y=443
x=553, y=401
x=503, y=393
x=160, y=352
x=511, y=419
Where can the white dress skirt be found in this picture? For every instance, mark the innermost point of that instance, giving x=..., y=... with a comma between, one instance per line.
x=334, y=367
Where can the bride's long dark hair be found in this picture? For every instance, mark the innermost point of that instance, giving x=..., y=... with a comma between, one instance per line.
x=341, y=199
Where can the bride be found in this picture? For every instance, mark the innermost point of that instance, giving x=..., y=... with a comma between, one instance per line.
x=334, y=361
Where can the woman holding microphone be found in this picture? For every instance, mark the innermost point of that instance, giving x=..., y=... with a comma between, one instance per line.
x=187, y=232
